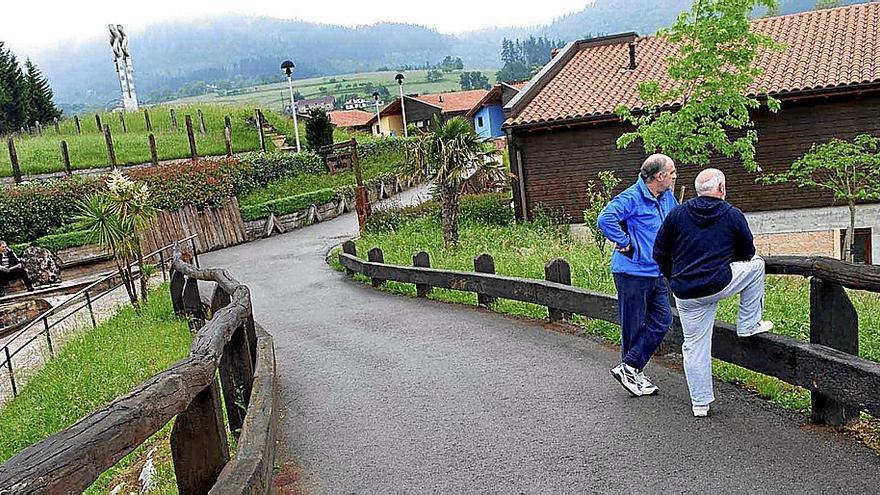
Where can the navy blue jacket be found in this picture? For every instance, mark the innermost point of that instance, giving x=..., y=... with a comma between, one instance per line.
x=697, y=243
x=632, y=219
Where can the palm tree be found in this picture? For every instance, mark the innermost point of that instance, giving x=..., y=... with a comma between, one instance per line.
x=443, y=155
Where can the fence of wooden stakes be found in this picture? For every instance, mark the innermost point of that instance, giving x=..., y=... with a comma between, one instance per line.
x=227, y=342
x=841, y=383
x=151, y=141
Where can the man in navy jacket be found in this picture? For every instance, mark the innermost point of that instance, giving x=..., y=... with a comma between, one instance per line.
x=707, y=252
x=631, y=221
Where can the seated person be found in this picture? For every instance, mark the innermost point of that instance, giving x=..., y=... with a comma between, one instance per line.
x=11, y=269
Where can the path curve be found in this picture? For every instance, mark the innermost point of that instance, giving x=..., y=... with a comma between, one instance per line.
x=386, y=393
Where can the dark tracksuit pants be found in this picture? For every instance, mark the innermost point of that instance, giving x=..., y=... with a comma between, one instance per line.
x=19, y=273
x=645, y=316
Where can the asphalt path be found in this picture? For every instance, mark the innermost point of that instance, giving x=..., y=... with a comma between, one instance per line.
x=384, y=393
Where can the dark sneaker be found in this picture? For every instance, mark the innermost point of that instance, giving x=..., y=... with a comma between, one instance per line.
x=628, y=377
x=647, y=387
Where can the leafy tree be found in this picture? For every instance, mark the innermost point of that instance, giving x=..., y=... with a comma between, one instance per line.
x=442, y=155
x=598, y=196
x=522, y=59
x=827, y=4
x=513, y=72
x=434, y=76
x=319, y=130
x=710, y=76
x=474, y=80
x=849, y=169
x=39, y=95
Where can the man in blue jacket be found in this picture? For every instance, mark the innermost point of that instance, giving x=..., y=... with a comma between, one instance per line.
x=631, y=221
x=707, y=252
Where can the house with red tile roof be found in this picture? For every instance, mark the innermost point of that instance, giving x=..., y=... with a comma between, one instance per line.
x=357, y=120
x=421, y=109
x=562, y=129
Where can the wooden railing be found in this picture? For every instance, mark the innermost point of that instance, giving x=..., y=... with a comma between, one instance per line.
x=229, y=342
x=842, y=384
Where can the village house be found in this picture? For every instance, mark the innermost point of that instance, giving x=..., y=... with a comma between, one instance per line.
x=303, y=106
x=361, y=104
x=421, y=109
x=488, y=113
x=562, y=128
x=356, y=120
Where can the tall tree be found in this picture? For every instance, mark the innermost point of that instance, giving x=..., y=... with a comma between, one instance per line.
x=13, y=93
x=709, y=79
x=319, y=130
x=39, y=95
x=827, y=4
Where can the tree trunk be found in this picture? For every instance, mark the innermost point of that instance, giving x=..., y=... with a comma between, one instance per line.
x=120, y=267
x=140, y=262
x=449, y=196
x=849, y=239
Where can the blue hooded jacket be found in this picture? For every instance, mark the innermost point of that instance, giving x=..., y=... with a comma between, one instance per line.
x=632, y=219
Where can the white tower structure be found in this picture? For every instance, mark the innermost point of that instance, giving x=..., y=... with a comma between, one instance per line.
x=124, y=68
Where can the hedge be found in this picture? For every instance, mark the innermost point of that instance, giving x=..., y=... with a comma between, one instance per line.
x=57, y=242
x=487, y=209
x=30, y=211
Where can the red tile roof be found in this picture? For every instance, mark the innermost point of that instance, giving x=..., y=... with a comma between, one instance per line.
x=350, y=118
x=825, y=49
x=457, y=101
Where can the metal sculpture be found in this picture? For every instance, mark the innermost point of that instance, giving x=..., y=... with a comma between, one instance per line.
x=124, y=68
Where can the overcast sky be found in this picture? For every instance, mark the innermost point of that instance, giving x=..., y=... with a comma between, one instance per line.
x=28, y=25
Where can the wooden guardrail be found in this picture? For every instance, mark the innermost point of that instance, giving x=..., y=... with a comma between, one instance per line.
x=229, y=342
x=842, y=384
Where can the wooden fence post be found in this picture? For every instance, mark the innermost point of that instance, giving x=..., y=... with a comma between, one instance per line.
x=202, y=128
x=258, y=117
x=192, y=305
x=173, y=120
x=375, y=255
x=13, y=157
x=78, y=125
x=484, y=263
x=236, y=368
x=108, y=139
x=57, y=129
x=147, y=121
x=834, y=322
x=154, y=155
x=557, y=270
x=227, y=135
x=176, y=286
x=39, y=128
x=348, y=247
x=423, y=260
x=199, y=446
x=192, y=138
x=122, y=122
x=98, y=122
x=65, y=157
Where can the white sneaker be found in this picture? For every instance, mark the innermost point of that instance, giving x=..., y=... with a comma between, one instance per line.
x=647, y=387
x=763, y=326
x=628, y=377
x=701, y=411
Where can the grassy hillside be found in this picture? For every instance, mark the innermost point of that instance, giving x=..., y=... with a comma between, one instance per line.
x=275, y=96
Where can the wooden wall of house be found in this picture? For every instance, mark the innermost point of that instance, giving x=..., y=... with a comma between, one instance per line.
x=558, y=163
x=417, y=111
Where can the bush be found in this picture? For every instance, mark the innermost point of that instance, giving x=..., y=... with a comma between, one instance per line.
x=487, y=209
x=288, y=205
x=394, y=219
x=32, y=210
x=57, y=242
x=269, y=167
x=319, y=130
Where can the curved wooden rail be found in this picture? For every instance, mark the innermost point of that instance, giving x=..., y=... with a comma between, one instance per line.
x=71, y=460
x=849, y=275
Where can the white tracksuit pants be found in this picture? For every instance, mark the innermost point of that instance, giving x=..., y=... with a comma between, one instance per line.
x=698, y=319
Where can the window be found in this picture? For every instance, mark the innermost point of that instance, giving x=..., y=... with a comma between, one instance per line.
x=479, y=121
x=420, y=123
x=861, y=245
x=377, y=129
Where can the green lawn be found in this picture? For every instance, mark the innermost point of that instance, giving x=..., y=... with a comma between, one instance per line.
x=275, y=96
x=91, y=371
x=522, y=249
x=41, y=154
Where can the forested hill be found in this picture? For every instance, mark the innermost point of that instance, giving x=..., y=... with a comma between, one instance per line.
x=234, y=50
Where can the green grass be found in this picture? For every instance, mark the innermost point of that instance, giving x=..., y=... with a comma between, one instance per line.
x=522, y=249
x=275, y=96
x=91, y=371
x=41, y=154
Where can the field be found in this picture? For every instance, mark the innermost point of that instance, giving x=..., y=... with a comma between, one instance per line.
x=276, y=96
x=42, y=154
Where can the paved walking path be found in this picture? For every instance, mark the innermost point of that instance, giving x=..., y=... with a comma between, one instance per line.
x=385, y=393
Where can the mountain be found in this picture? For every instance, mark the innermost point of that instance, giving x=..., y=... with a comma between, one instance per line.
x=230, y=51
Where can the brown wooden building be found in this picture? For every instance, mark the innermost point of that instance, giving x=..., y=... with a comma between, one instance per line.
x=562, y=129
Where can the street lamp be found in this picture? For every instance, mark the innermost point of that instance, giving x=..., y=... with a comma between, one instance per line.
x=378, y=117
x=287, y=66
x=400, y=77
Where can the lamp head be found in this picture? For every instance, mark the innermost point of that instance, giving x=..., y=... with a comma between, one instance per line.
x=400, y=77
x=375, y=96
x=287, y=66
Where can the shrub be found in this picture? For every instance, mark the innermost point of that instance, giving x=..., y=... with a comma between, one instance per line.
x=32, y=210
x=269, y=167
x=487, y=209
x=393, y=219
x=57, y=242
x=288, y=205
x=319, y=130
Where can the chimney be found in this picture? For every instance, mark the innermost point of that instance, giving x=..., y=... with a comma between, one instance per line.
x=441, y=98
x=632, y=56
x=554, y=52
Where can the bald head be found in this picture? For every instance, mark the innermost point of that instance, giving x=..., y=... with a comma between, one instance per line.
x=710, y=182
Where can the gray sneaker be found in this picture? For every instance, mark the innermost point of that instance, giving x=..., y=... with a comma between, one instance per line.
x=628, y=377
x=647, y=387
x=763, y=326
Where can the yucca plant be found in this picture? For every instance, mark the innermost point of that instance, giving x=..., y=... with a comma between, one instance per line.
x=444, y=154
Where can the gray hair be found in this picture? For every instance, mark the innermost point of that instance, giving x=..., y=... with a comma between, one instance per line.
x=653, y=165
x=708, y=181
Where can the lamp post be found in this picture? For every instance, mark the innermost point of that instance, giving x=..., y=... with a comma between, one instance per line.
x=378, y=117
x=287, y=66
x=400, y=77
